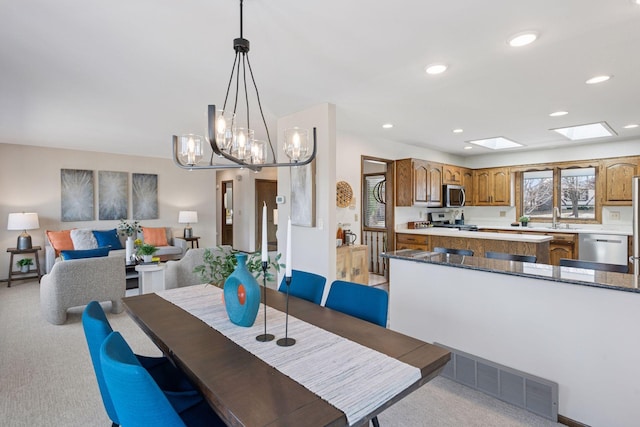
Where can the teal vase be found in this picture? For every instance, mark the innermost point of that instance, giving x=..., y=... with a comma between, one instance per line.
x=242, y=294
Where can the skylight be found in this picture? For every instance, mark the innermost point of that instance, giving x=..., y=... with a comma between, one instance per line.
x=497, y=143
x=580, y=132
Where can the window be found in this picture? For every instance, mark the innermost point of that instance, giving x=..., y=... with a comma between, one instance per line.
x=374, y=207
x=572, y=189
x=578, y=193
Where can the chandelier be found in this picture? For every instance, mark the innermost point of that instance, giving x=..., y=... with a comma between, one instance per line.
x=231, y=137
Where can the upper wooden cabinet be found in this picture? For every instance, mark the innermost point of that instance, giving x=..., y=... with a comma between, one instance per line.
x=617, y=175
x=418, y=183
x=492, y=187
x=451, y=174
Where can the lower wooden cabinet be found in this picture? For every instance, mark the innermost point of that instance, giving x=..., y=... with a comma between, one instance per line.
x=352, y=263
x=412, y=241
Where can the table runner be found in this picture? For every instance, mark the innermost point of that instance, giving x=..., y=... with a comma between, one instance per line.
x=353, y=378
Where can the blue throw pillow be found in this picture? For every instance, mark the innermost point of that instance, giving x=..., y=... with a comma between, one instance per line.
x=86, y=253
x=108, y=238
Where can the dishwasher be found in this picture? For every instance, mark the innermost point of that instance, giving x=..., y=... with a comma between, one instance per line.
x=609, y=248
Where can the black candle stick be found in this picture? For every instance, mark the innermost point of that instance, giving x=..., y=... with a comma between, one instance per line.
x=286, y=341
x=264, y=337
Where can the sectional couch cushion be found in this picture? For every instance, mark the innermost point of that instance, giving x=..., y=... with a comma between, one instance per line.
x=155, y=236
x=83, y=239
x=108, y=238
x=60, y=240
x=85, y=253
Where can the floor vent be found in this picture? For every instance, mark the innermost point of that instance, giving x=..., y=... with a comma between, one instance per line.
x=526, y=391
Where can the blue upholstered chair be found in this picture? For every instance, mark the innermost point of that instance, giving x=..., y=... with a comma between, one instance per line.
x=510, y=257
x=601, y=266
x=97, y=329
x=361, y=301
x=309, y=286
x=139, y=401
x=467, y=252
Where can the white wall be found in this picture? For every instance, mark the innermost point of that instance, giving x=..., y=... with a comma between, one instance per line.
x=30, y=182
x=581, y=337
x=313, y=248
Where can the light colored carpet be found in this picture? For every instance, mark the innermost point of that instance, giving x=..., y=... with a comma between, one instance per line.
x=46, y=376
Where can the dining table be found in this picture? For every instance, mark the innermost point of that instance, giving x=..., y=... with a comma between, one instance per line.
x=341, y=371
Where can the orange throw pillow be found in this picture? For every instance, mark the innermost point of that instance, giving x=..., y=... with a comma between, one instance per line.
x=60, y=240
x=155, y=236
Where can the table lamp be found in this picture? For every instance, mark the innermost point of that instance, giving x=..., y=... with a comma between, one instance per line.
x=23, y=221
x=188, y=217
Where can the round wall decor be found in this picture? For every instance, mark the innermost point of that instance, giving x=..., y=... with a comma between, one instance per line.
x=344, y=194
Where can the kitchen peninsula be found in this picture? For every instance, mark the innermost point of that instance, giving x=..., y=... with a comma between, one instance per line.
x=571, y=326
x=479, y=242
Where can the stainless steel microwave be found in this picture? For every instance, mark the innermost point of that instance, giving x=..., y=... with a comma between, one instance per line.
x=454, y=196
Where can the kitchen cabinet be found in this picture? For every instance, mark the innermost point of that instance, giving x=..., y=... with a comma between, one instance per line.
x=617, y=175
x=418, y=183
x=562, y=246
x=451, y=174
x=492, y=187
x=352, y=263
x=412, y=241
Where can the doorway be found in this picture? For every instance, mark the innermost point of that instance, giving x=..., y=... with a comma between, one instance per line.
x=377, y=178
x=227, y=213
x=266, y=191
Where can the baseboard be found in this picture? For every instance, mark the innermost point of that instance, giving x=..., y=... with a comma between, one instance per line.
x=569, y=422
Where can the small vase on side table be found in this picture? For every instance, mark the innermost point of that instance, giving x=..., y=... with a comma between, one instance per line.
x=129, y=248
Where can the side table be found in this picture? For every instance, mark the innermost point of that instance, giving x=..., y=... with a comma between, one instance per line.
x=150, y=278
x=192, y=240
x=18, y=275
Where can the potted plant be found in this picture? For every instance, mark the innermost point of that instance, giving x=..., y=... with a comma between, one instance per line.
x=524, y=220
x=24, y=264
x=218, y=265
x=146, y=251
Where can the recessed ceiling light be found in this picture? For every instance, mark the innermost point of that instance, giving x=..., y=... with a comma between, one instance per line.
x=523, y=39
x=597, y=79
x=593, y=130
x=632, y=125
x=559, y=113
x=468, y=147
x=496, y=143
x=436, y=69
x=387, y=126
x=458, y=130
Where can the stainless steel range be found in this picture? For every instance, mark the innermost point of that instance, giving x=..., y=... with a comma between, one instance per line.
x=439, y=219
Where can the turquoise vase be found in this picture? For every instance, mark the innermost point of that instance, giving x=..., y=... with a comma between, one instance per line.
x=242, y=294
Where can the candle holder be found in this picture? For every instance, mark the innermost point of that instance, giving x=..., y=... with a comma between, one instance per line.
x=286, y=341
x=264, y=337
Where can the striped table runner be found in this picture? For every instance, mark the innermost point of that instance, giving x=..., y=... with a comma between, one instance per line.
x=353, y=378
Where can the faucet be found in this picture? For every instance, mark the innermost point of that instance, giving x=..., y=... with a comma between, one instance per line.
x=556, y=217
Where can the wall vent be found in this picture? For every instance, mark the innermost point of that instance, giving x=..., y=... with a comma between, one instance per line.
x=535, y=394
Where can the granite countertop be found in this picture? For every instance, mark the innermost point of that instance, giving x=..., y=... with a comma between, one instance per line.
x=454, y=232
x=571, y=275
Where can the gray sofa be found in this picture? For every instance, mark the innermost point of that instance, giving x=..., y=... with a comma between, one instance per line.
x=176, y=249
x=75, y=283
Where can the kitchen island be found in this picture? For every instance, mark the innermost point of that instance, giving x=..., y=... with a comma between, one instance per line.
x=570, y=326
x=479, y=242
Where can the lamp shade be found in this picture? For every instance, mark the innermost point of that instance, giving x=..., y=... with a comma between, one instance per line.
x=188, y=217
x=23, y=221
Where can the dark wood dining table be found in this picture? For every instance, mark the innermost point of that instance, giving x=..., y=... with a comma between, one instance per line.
x=246, y=391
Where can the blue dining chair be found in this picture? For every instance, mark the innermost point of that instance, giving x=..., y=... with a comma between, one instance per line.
x=305, y=285
x=361, y=301
x=510, y=257
x=138, y=400
x=96, y=329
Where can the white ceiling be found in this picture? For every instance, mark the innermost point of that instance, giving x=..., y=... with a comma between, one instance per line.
x=123, y=76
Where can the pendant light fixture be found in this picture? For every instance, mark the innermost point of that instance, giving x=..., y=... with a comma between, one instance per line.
x=231, y=136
